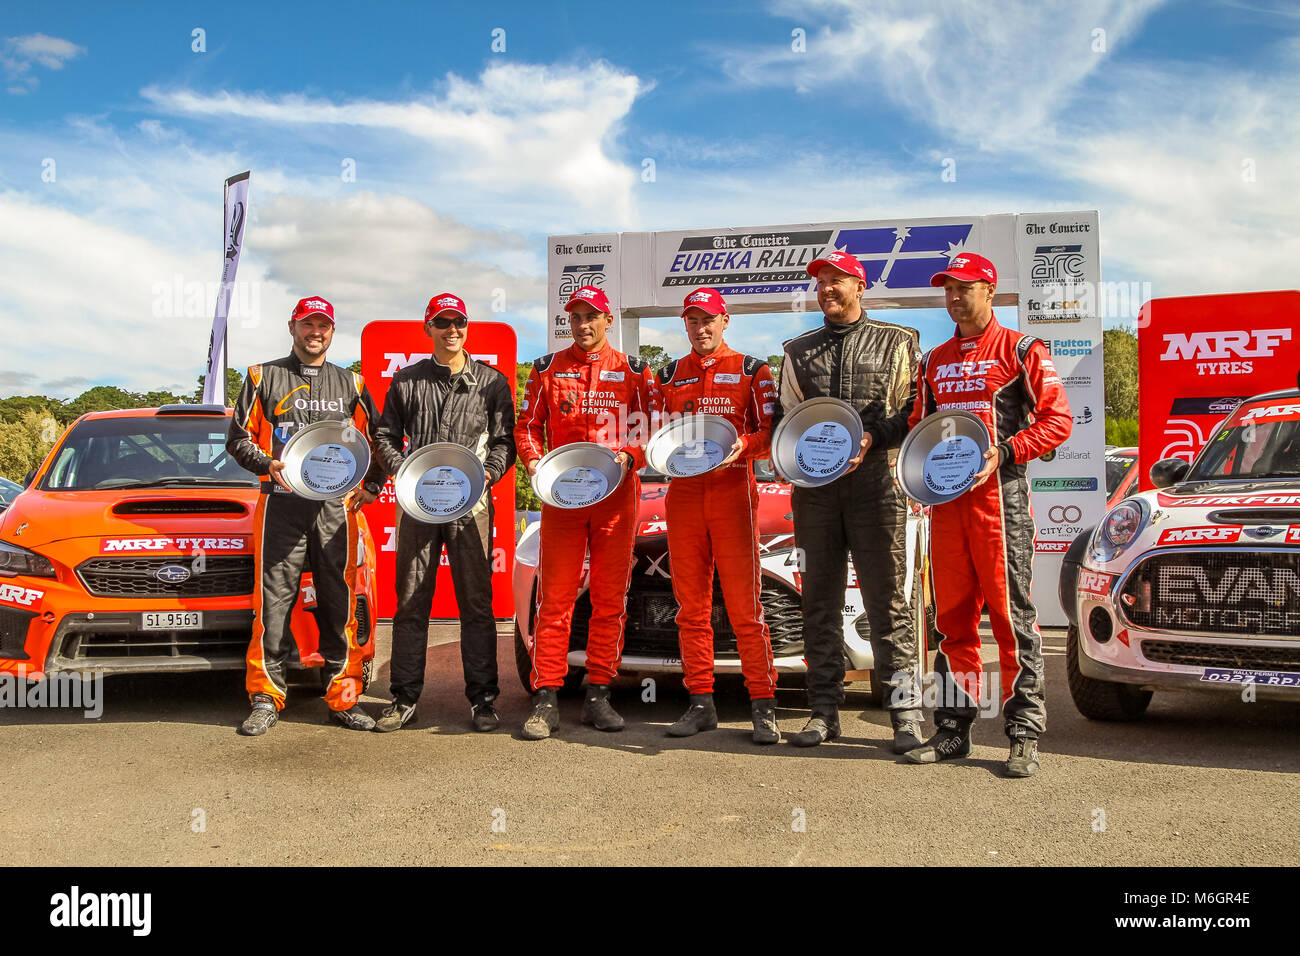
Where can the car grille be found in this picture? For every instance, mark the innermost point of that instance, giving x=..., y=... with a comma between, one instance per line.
x=1222, y=655
x=651, y=629
x=13, y=632
x=1228, y=591
x=220, y=645
x=222, y=576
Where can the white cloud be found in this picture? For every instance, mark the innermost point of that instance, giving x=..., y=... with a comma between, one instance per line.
x=19, y=54
x=520, y=132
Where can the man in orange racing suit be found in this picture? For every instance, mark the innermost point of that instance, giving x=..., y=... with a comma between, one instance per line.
x=279, y=397
x=983, y=542
x=713, y=518
x=589, y=392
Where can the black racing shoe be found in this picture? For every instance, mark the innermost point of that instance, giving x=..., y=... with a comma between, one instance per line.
x=597, y=710
x=1023, y=760
x=545, y=718
x=907, y=734
x=700, y=715
x=354, y=718
x=484, y=717
x=820, y=728
x=262, y=718
x=952, y=739
x=764, y=714
x=394, y=717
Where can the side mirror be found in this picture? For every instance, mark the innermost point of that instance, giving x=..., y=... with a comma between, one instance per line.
x=1169, y=471
x=27, y=481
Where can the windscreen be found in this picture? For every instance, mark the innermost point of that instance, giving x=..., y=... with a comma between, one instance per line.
x=170, y=451
x=1264, y=442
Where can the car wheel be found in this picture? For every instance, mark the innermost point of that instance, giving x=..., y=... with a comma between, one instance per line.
x=572, y=685
x=1097, y=699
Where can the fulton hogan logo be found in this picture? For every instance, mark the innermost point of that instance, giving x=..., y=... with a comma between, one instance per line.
x=75, y=908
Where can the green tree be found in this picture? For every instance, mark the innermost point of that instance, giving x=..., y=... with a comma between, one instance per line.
x=25, y=443
x=525, y=498
x=774, y=363
x=1120, y=367
x=654, y=356
x=234, y=383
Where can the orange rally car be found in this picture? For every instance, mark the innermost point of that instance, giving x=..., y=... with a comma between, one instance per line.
x=130, y=551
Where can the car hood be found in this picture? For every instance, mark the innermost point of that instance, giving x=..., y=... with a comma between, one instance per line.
x=42, y=517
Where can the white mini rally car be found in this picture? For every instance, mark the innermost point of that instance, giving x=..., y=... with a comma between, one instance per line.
x=1196, y=584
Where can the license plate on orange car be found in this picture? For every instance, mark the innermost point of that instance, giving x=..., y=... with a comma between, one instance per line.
x=173, y=620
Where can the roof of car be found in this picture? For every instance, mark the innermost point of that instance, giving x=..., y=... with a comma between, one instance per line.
x=210, y=411
x=1280, y=393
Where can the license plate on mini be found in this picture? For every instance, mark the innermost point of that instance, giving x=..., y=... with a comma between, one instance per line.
x=173, y=620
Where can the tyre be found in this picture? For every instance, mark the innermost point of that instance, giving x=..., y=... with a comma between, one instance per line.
x=1097, y=699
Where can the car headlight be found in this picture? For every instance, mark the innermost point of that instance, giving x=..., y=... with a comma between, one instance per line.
x=15, y=560
x=1118, y=529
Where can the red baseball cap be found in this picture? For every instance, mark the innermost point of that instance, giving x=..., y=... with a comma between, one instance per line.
x=705, y=299
x=592, y=296
x=445, y=302
x=967, y=267
x=312, y=305
x=840, y=260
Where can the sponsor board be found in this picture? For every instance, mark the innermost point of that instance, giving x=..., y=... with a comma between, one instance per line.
x=1201, y=534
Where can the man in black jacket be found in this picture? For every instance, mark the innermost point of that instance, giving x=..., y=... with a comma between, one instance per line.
x=289, y=531
x=872, y=366
x=447, y=398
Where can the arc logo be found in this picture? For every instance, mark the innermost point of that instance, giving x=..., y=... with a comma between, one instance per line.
x=1201, y=534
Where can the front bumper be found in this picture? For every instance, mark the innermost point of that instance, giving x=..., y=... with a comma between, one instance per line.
x=633, y=664
x=116, y=643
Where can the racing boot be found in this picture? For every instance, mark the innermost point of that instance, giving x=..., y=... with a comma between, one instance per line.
x=354, y=718
x=952, y=739
x=764, y=713
x=820, y=727
x=395, y=716
x=1023, y=761
x=545, y=718
x=907, y=730
x=700, y=715
x=484, y=717
x=263, y=717
x=597, y=710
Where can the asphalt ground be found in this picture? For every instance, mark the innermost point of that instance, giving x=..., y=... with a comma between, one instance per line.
x=162, y=778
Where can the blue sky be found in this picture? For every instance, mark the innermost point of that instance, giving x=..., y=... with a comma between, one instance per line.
x=1180, y=129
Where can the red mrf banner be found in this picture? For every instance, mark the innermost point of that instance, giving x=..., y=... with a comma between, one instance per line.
x=1199, y=356
x=385, y=348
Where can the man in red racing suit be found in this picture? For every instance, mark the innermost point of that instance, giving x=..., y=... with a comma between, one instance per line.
x=713, y=518
x=983, y=542
x=588, y=392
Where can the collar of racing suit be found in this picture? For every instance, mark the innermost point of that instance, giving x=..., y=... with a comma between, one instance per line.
x=704, y=362
x=465, y=377
x=579, y=354
x=991, y=329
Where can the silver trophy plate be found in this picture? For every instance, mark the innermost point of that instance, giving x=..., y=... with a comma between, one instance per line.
x=440, y=482
x=940, y=457
x=577, y=475
x=325, y=460
x=691, y=445
x=815, y=441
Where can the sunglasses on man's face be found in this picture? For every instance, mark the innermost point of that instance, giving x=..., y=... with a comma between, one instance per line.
x=442, y=322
